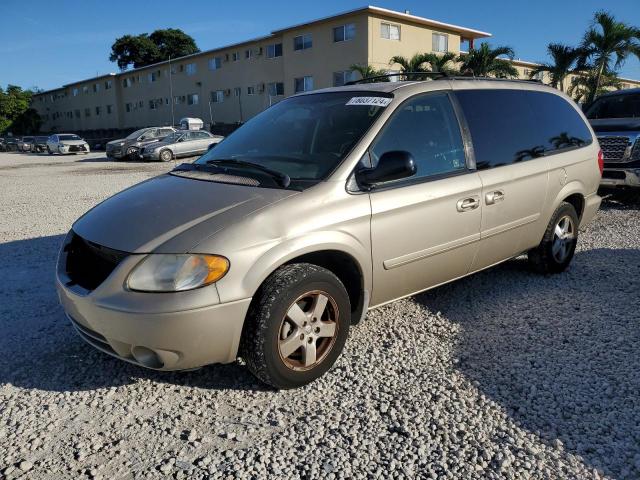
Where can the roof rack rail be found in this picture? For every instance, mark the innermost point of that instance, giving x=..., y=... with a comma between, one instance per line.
x=493, y=79
x=410, y=76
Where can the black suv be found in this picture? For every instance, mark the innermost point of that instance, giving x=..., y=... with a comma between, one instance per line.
x=615, y=117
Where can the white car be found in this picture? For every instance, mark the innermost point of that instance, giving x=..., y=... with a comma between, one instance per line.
x=66, y=143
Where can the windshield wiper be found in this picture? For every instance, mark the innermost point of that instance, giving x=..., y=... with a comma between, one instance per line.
x=281, y=177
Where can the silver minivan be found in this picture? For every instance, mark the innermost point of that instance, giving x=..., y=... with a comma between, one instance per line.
x=330, y=203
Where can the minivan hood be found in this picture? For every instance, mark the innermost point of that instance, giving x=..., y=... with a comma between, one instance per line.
x=171, y=214
x=615, y=124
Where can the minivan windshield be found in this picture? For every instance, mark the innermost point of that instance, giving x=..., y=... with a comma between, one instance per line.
x=615, y=106
x=304, y=137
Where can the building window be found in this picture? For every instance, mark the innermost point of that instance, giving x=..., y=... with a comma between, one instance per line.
x=154, y=76
x=251, y=90
x=217, y=96
x=215, y=63
x=180, y=99
x=303, y=84
x=274, y=50
x=87, y=112
x=276, y=89
x=248, y=53
x=390, y=31
x=191, y=68
x=74, y=92
x=85, y=89
x=96, y=87
x=108, y=84
x=235, y=56
x=344, y=32
x=440, y=42
x=109, y=109
x=192, y=99
x=127, y=82
x=340, y=78
x=237, y=91
x=127, y=107
x=98, y=110
x=302, y=42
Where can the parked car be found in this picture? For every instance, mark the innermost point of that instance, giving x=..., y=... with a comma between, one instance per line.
x=24, y=144
x=3, y=146
x=136, y=151
x=128, y=146
x=323, y=206
x=615, y=117
x=11, y=144
x=39, y=144
x=66, y=143
x=181, y=143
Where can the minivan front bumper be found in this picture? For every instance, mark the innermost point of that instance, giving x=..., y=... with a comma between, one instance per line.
x=175, y=340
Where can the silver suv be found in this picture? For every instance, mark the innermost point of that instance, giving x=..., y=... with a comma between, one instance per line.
x=127, y=147
x=328, y=204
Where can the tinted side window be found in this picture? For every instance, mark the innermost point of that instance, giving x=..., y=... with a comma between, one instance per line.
x=426, y=127
x=559, y=123
x=503, y=128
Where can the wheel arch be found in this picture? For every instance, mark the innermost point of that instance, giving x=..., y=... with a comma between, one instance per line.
x=349, y=264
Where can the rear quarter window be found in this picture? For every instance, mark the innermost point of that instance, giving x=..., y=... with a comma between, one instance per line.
x=511, y=126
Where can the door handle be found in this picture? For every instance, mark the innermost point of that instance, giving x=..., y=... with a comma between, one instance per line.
x=494, y=197
x=469, y=203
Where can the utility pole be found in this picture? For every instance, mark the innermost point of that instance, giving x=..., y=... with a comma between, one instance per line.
x=173, y=120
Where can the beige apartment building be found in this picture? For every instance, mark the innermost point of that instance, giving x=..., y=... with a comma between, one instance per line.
x=233, y=83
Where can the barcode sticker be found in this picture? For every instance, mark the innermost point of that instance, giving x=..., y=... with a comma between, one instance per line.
x=371, y=101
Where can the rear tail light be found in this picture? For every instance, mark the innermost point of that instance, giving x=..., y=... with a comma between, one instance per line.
x=600, y=162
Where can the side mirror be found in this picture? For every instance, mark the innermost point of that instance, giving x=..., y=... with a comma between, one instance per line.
x=393, y=165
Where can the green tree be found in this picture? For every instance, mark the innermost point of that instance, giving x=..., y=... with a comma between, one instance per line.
x=144, y=49
x=367, y=71
x=583, y=85
x=606, y=46
x=444, y=63
x=564, y=60
x=15, y=114
x=485, y=62
x=413, y=64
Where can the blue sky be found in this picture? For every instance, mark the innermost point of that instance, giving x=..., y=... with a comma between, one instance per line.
x=47, y=44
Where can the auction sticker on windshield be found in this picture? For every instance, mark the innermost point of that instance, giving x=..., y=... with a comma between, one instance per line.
x=371, y=101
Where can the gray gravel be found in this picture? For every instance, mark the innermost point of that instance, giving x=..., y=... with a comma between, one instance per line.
x=502, y=375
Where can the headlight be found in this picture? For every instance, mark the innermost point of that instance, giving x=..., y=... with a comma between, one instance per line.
x=121, y=144
x=176, y=273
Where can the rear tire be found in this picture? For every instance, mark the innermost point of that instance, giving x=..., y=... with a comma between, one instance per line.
x=166, y=156
x=297, y=326
x=555, y=252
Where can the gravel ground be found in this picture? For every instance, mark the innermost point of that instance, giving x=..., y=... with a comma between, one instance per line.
x=505, y=374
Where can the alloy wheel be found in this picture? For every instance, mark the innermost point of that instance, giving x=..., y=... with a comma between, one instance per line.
x=308, y=331
x=563, y=237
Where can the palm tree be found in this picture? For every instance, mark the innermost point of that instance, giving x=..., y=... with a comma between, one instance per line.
x=441, y=63
x=583, y=87
x=484, y=62
x=413, y=64
x=607, y=44
x=367, y=71
x=565, y=60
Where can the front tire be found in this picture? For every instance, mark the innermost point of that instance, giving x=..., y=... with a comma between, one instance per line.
x=297, y=326
x=49, y=150
x=558, y=245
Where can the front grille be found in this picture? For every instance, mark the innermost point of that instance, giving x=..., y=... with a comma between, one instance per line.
x=89, y=264
x=615, y=149
x=76, y=148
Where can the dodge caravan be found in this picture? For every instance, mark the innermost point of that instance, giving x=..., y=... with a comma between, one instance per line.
x=328, y=204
